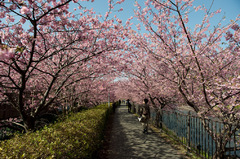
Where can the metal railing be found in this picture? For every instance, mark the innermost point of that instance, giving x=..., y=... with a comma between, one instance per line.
x=189, y=130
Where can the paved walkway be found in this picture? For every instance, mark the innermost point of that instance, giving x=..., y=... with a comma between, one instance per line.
x=125, y=140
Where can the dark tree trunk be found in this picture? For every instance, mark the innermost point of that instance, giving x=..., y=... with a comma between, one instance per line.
x=159, y=118
x=220, y=149
x=29, y=122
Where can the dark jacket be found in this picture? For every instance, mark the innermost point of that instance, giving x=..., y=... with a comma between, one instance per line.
x=145, y=110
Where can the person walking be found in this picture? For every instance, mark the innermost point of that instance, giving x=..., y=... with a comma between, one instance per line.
x=129, y=105
x=145, y=114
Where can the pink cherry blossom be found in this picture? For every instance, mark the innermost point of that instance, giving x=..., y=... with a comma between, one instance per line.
x=24, y=10
x=58, y=57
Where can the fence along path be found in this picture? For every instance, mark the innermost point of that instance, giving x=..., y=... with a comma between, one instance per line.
x=191, y=132
x=125, y=140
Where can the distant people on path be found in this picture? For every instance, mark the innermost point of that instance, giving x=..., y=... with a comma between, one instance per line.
x=145, y=115
x=129, y=105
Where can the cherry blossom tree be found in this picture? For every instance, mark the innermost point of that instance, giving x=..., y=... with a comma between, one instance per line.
x=204, y=71
x=46, y=47
x=144, y=78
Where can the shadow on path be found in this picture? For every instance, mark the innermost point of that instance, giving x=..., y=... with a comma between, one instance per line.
x=125, y=140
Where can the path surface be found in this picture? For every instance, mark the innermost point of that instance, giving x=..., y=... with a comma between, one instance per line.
x=125, y=140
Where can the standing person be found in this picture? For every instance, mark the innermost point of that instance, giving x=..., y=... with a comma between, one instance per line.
x=129, y=105
x=145, y=113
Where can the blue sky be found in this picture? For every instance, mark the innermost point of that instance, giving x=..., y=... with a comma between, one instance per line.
x=230, y=9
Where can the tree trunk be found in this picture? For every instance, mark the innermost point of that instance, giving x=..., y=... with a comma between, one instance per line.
x=159, y=118
x=220, y=149
x=29, y=122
